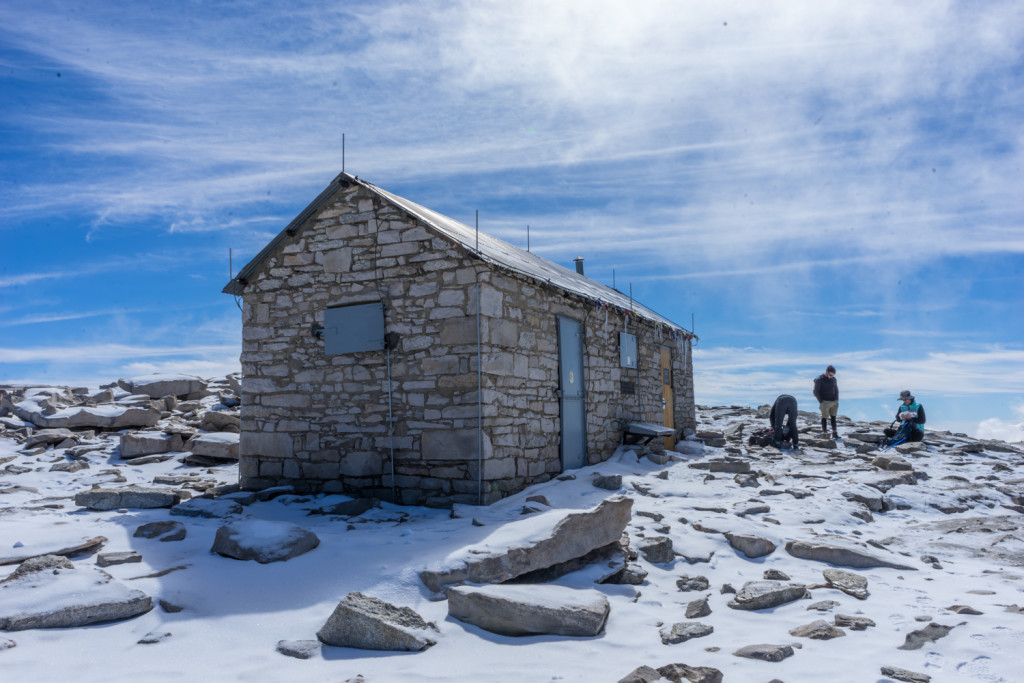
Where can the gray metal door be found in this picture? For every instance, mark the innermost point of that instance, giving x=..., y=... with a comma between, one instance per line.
x=573, y=397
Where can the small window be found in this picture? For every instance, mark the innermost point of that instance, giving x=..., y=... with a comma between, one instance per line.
x=627, y=350
x=348, y=329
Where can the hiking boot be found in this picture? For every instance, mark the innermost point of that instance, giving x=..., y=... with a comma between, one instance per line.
x=835, y=435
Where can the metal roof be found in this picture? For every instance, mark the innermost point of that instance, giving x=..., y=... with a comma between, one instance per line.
x=486, y=247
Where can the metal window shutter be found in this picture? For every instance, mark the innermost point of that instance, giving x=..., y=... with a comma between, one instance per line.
x=348, y=329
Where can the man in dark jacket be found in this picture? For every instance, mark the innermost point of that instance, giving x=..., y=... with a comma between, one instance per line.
x=784, y=406
x=826, y=390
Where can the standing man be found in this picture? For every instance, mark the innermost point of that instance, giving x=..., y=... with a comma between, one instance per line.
x=826, y=390
x=784, y=407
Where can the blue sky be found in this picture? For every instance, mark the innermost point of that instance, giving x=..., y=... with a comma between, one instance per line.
x=808, y=182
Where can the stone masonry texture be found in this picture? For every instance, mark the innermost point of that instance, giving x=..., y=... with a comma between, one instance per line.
x=321, y=422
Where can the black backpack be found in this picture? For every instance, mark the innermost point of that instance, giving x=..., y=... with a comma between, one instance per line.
x=762, y=437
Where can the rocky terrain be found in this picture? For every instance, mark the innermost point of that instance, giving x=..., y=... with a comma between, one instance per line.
x=131, y=554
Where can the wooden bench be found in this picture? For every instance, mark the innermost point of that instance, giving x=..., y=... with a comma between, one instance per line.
x=633, y=432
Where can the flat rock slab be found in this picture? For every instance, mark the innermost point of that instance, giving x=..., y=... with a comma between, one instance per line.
x=684, y=631
x=264, y=541
x=110, y=559
x=50, y=594
x=368, y=623
x=102, y=417
x=300, y=649
x=127, y=497
x=209, y=508
x=840, y=556
x=518, y=548
x=138, y=444
x=929, y=634
x=764, y=652
x=530, y=609
x=848, y=582
x=750, y=545
x=158, y=386
x=87, y=546
x=904, y=675
x=766, y=594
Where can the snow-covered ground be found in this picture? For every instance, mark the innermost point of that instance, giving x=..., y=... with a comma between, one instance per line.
x=234, y=613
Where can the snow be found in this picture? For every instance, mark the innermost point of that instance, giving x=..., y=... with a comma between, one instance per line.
x=234, y=613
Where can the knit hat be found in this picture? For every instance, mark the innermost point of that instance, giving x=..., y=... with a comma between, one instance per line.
x=905, y=394
x=830, y=369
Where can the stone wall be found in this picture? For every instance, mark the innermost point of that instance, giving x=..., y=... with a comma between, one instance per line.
x=322, y=422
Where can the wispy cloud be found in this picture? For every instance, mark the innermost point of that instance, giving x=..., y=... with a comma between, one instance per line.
x=758, y=375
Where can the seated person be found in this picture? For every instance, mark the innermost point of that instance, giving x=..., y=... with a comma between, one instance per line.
x=909, y=411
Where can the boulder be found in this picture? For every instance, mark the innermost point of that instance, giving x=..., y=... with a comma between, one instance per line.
x=852, y=623
x=220, y=421
x=892, y=463
x=368, y=623
x=766, y=594
x=698, y=608
x=127, y=497
x=684, y=631
x=608, y=482
x=220, y=445
x=46, y=437
x=766, y=653
x=681, y=673
x=263, y=540
x=163, y=531
x=49, y=592
x=572, y=535
x=692, y=583
x=751, y=546
x=657, y=550
x=642, y=674
x=849, y=583
x=840, y=556
x=137, y=444
x=530, y=609
x=818, y=630
x=158, y=386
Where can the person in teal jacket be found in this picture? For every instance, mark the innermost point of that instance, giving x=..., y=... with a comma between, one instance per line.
x=911, y=410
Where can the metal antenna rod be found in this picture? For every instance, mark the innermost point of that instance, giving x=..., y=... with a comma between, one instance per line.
x=342, y=152
x=613, y=280
x=478, y=230
x=527, y=237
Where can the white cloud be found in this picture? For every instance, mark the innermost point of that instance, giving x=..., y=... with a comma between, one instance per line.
x=1005, y=430
x=757, y=375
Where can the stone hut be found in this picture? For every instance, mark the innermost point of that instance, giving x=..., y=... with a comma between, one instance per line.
x=390, y=351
